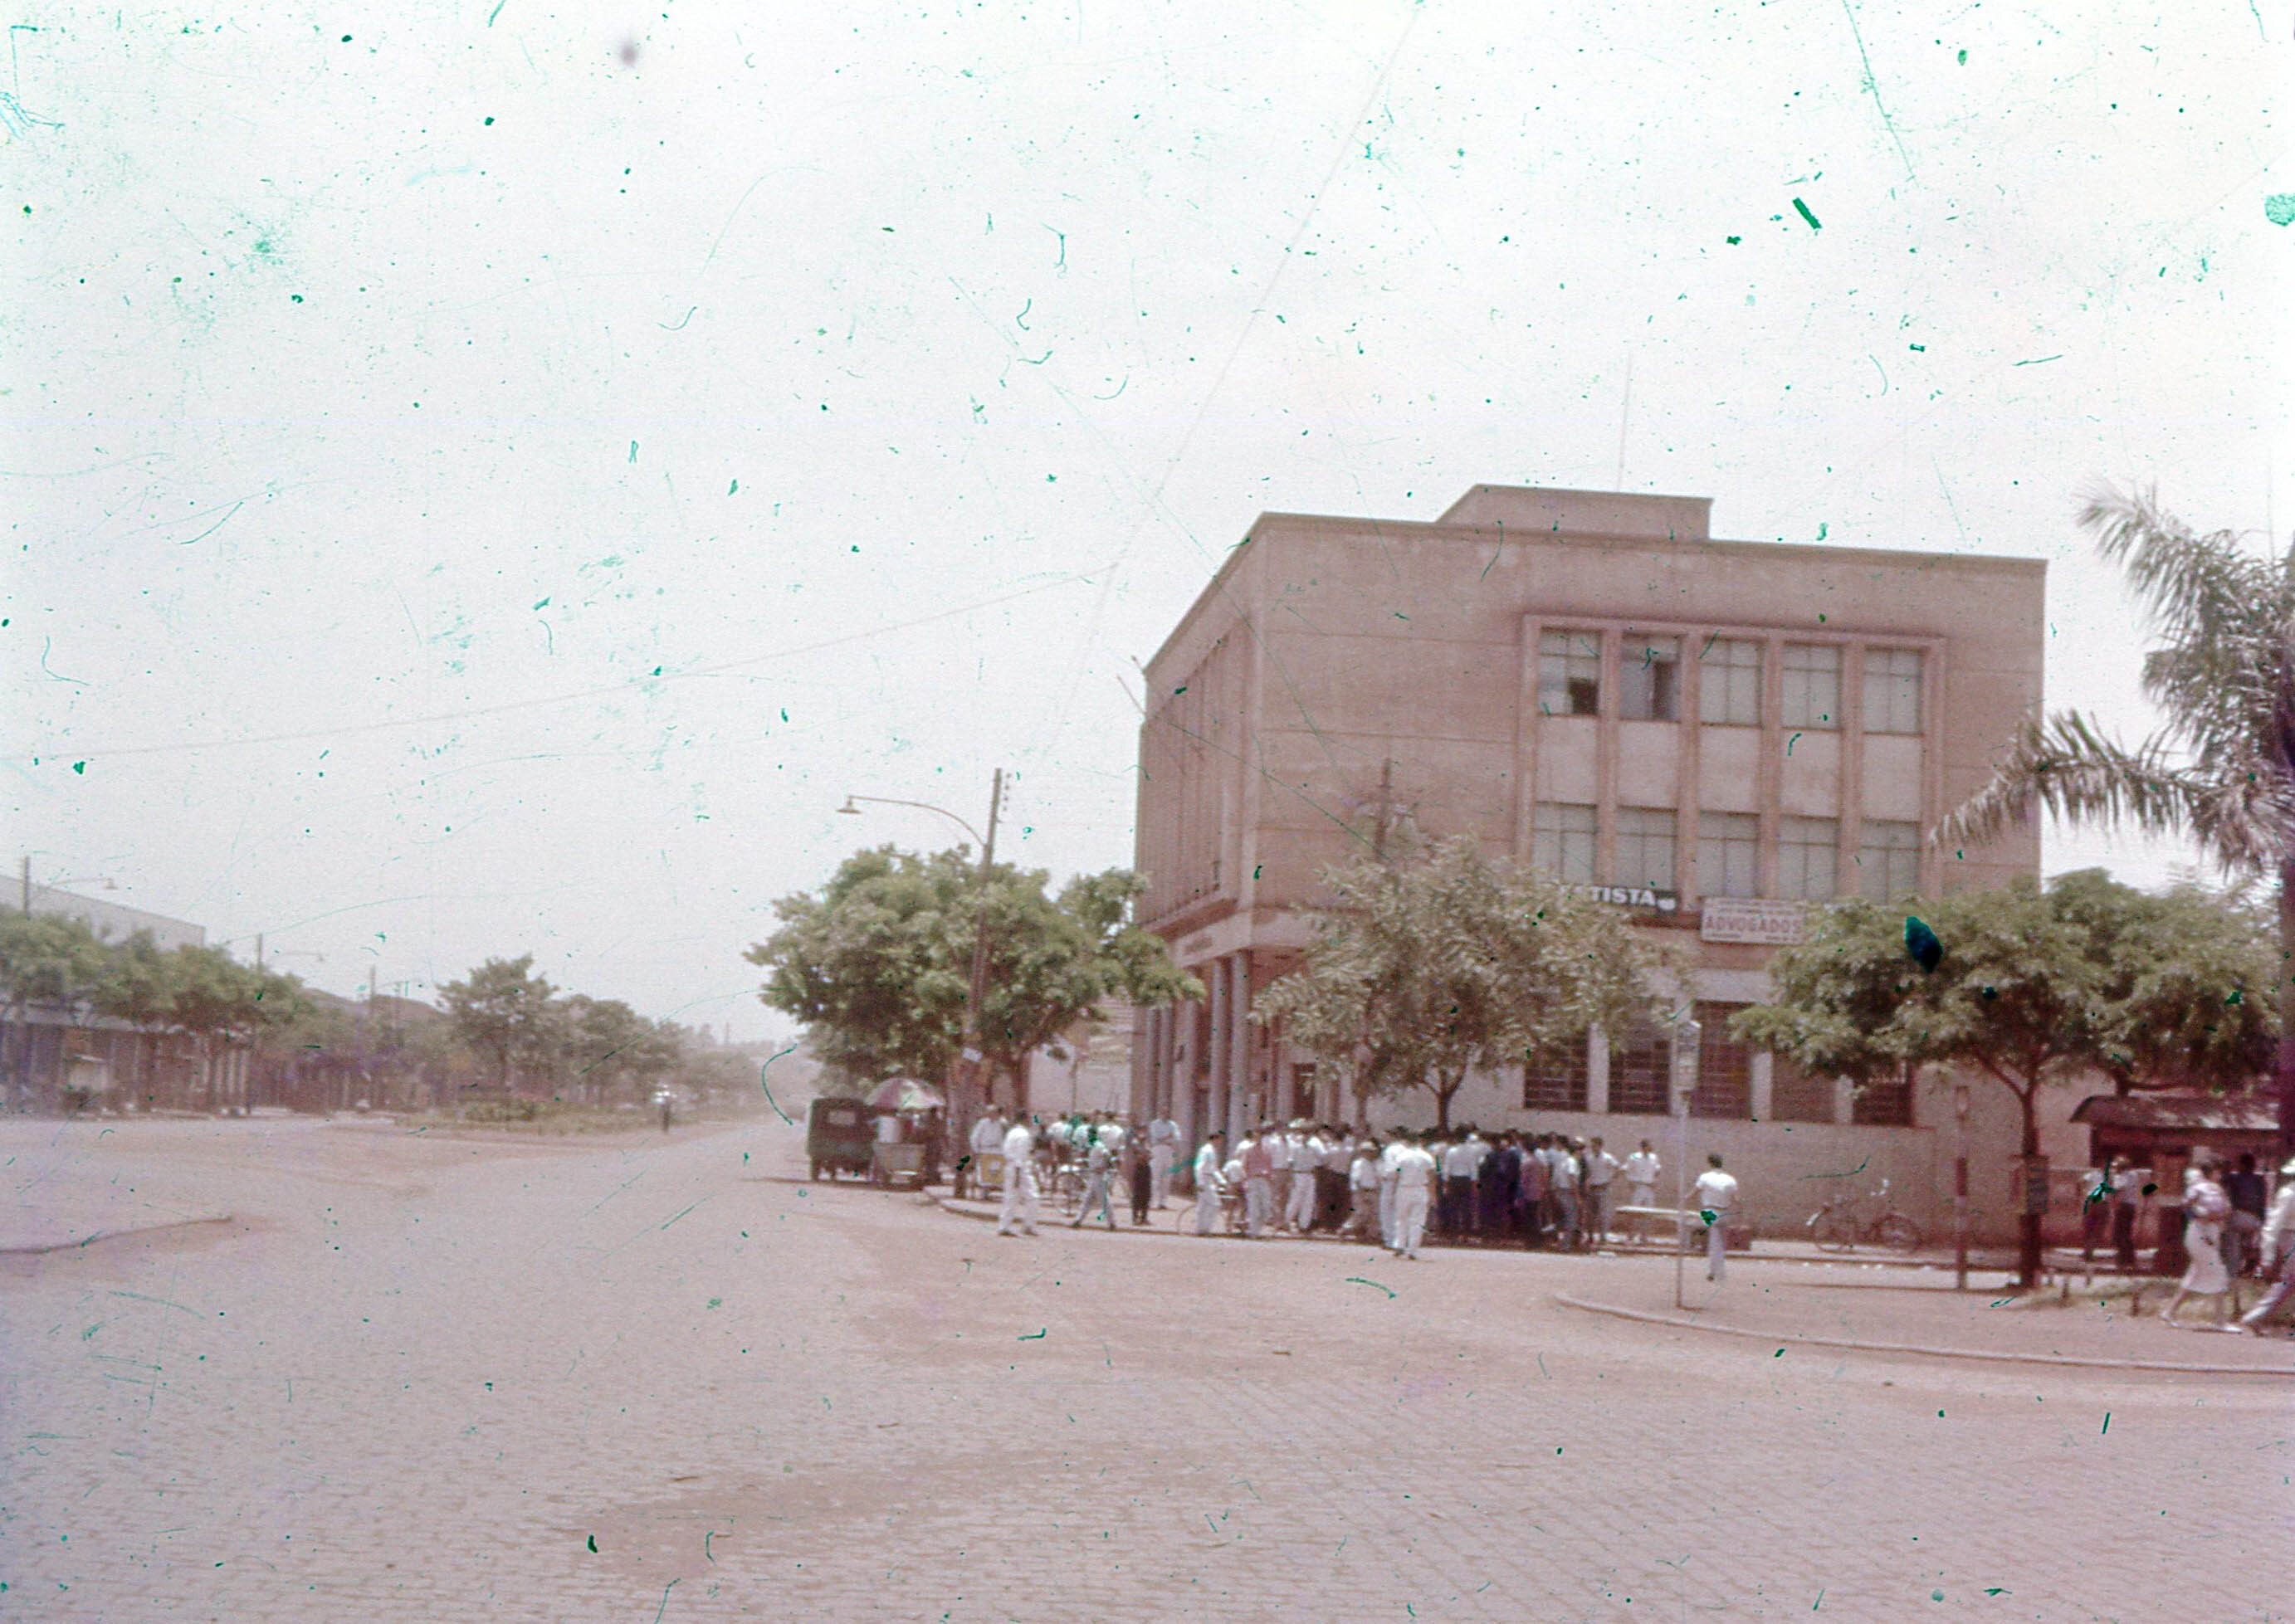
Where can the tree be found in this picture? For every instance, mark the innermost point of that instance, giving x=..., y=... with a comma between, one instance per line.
x=2032, y=986
x=878, y=964
x=2221, y=769
x=502, y=1011
x=609, y=1046
x=201, y=992
x=1424, y=970
x=43, y=959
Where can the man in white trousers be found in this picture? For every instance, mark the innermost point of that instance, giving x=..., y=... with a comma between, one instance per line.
x=1387, y=1192
x=1019, y=1178
x=1414, y=1186
x=1162, y=1150
x=1306, y=1151
x=1211, y=1183
x=1715, y=1198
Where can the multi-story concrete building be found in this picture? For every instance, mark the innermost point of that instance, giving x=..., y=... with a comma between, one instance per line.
x=1719, y=732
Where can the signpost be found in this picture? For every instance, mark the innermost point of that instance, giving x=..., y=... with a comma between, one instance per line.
x=1688, y=1037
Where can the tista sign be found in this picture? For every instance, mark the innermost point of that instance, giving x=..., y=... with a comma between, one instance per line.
x=1645, y=898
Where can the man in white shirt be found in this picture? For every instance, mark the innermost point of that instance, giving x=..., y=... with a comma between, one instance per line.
x=1414, y=1183
x=1331, y=1199
x=1460, y=1163
x=1716, y=1200
x=1363, y=1187
x=1019, y=1178
x=1306, y=1155
x=1641, y=1170
x=1601, y=1169
x=2276, y=1254
x=1211, y=1182
x=987, y=1139
x=1386, y=1191
x=1162, y=1150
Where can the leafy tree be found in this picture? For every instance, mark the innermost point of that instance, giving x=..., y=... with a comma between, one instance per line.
x=2221, y=770
x=1423, y=970
x=878, y=964
x=2032, y=986
x=44, y=959
x=502, y=1011
x=201, y=992
x=609, y=1046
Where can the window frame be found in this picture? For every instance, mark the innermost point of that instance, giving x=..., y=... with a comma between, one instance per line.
x=1568, y=663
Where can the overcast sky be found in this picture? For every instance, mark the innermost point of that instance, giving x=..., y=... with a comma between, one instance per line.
x=493, y=477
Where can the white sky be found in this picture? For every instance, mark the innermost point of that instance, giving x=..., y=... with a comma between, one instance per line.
x=888, y=380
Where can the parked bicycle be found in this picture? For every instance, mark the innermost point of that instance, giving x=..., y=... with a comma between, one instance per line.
x=1867, y=1220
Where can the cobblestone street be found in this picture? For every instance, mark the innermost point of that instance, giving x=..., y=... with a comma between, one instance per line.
x=661, y=1379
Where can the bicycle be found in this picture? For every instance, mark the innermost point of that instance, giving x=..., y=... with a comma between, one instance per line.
x=1843, y=1225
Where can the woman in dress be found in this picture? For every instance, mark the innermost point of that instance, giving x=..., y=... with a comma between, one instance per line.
x=2205, y=1208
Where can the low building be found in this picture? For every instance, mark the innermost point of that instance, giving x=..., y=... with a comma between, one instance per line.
x=1716, y=734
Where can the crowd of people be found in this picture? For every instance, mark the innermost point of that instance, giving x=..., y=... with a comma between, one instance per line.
x=1536, y=1190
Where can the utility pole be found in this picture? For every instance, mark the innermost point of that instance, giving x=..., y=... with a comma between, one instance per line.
x=978, y=989
x=28, y=885
x=1688, y=1037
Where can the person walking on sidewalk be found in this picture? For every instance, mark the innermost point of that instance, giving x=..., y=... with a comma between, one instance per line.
x=2205, y=1208
x=2278, y=1252
x=1414, y=1185
x=2250, y=1197
x=1716, y=1195
x=1019, y=1178
x=1211, y=1183
x=1098, y=1172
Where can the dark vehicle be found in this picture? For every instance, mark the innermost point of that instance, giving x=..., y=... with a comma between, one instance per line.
x=840, y=1135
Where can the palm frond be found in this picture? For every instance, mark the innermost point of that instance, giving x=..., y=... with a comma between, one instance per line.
x=2064, y=764
x=2189, y=584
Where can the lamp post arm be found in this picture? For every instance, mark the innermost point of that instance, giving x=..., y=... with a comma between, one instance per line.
x=929, y=806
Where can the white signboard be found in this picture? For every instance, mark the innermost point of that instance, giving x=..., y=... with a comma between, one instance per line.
x=1762, y=920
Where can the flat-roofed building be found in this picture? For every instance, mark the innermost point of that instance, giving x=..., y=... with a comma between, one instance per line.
x=1719, y=733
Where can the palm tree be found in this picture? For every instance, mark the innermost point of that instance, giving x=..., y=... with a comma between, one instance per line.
x=2221, y=770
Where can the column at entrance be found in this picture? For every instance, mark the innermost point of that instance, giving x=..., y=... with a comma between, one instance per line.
x=1223, y=1093
x=1238, y=1043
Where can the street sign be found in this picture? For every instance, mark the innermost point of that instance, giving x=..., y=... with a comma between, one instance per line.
x=1642, y=899
x=1763, y=921
x=1688, y=1037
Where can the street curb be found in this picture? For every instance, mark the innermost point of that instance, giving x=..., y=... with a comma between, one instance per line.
x=1678, y=1323
x=38, y=1248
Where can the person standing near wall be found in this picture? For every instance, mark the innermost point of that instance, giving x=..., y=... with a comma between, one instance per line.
x=1138, y=1177
x=1715, y=1197
x=1162, y=1151
x=1602, y=1170
x=1642, y=1169
x=1259, y=1181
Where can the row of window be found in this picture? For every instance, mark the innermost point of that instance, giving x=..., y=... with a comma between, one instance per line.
x=1639, y=1067
x=1729, y=681
x=1728, y=845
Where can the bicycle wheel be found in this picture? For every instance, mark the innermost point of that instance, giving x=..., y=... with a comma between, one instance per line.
x=1898, y=1233
x=1836, y=1231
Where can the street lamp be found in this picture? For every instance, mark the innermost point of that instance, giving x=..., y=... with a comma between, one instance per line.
x=76, y=879
x=977, y=988
x=1688, y=1039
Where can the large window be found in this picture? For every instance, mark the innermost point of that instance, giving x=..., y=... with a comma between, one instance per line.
x=1649, y=671
x=1645, y=847
x=1562, y=841
x=1806, y=858
x=1569, y=674
x=1556, y=1081
x=1812, y=685
x=1888, y=860
x=1727, y=845
x=1892, y=690
x=1725, y=1067
x=1885, y=1102
x=1637, y=1073
x=1730, y=681
x=1796, y=1096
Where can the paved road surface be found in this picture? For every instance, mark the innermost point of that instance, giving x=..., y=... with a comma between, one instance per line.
x=418, y=1379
